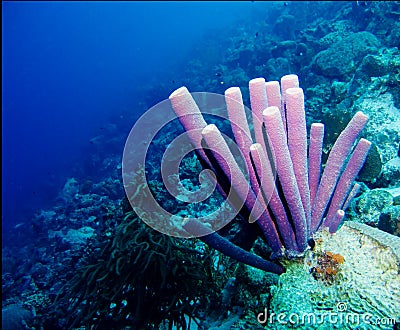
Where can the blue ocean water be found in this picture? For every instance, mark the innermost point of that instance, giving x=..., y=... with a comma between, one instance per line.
x=69, y=68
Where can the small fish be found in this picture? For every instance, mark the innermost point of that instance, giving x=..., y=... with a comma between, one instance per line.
x=218, y=74
x=256, y=34
x=19, y=225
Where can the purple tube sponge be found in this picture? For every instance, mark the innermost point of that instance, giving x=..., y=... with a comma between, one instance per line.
x=292, y=204
x=224, y=246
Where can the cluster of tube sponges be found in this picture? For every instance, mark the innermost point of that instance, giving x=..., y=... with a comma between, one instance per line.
x=285, y=190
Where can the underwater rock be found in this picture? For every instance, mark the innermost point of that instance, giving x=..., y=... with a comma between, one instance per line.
x=285, y=27
x=75, y=237
x=14, y=317
x=364, y=290
x=391, y=172
x=389, y=220
x=377, y=72
x=339, y=62
x=276, y=66
x=395, y=192
x=283, y=48
x=371, y=204
x=372, y=166
x=375, y=65
x=383, y=128
x=255, y=279
x=394, y=37
x=71, y=188
x=338, y=30
x=338, y=91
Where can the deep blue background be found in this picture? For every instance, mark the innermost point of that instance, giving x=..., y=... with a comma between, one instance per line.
x=69, y=66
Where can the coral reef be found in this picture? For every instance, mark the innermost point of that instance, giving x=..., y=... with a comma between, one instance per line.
x=35, y=288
